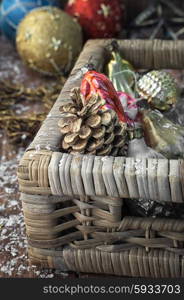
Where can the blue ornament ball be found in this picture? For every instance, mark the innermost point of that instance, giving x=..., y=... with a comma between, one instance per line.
x=13, y=11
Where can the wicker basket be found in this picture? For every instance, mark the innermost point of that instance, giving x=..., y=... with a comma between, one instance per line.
x=73, y=205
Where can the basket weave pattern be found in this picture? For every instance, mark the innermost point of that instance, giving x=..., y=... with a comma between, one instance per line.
x=73, y=205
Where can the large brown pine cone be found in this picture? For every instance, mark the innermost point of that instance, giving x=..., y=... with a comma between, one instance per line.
x=90, y=129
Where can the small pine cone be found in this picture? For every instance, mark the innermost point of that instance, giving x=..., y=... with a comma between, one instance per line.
x=91, y=128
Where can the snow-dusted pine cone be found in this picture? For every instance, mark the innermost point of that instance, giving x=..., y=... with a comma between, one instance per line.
x=91, y=128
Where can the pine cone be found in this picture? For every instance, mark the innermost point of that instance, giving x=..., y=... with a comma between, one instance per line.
x=91, y=128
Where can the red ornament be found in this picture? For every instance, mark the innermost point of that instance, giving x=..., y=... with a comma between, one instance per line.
x=97, y=83
x=99, y=18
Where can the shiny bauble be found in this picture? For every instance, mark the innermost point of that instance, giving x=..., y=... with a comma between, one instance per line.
x=98, y=18
x=159, y=88
x=49, y=40
x=12, y=12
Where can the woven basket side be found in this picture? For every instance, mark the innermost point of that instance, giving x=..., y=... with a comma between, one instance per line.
x=70, y=179
x=134, y=232
x=56, y=173
x=153, y=54
x=135, y=262
x=119, y=177
x=33, y=172
x=43, y=173
x=47, y=217
x=141, y=247
x=47, y=258
x=49, y=221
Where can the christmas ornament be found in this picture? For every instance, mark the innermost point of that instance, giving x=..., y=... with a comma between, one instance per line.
x=87, y=128
x=12, y=12
x=160, y=19
x=159, y=88
x=123, y=77
x=162, y=134
x=120, y=71
x=98, y=83
x=99, y=18
x=49, y=40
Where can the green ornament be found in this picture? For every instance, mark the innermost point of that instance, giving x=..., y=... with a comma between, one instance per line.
x=159, y=88
x=49, y=40
x=120, y=71
x=162, y=134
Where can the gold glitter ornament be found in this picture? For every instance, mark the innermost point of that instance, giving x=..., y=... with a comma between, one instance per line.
x=159, y=88
x=49, y=40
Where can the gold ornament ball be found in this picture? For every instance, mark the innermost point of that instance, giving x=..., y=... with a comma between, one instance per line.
x=49, y=40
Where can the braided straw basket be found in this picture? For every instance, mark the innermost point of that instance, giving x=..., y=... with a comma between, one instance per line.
x=73, y=205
